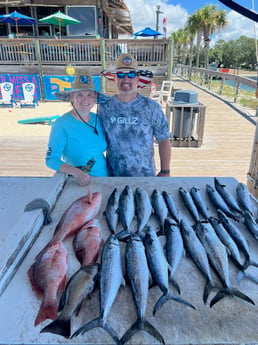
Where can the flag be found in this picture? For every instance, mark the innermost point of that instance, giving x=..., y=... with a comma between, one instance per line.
x=165, y=22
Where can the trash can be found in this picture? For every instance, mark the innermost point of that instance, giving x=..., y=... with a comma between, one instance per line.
x=187, y=99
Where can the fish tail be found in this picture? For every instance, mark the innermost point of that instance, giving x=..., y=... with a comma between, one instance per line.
x=145, y=326
x=248, y=262
x=167, y=297
x=207, y=289
x=231, y=293
x=58, y=326
x=99, y=322
x=48, y=310
x=242, y=274
x=123, y=235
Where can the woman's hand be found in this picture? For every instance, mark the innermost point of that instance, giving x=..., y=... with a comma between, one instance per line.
x=82, y=177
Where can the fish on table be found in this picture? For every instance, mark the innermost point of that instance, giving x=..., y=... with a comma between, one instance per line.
x=244, y=198
x=143, y=209
x=218, y=257
x=160, y=209
x=171, y=205
x=126, y=211
x=111, y=278
x=227, y=196
x=48, y=277
x=174, y=249
x=87, y=242
x=199, y=201
x=111, y=212
x=199, y=256
x=138, y=275
x=79, y=213
x=78, y=288
x=189, y=203
x=159, y=267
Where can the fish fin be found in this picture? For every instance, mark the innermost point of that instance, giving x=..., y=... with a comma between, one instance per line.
x=241, y=295
x=38, y=291
x=145, y=326
x=221, y=294
x=48, y=310
x=58, y=326
x=166, y=297
x=207, y=289
x=98, y=323
x=242, y=274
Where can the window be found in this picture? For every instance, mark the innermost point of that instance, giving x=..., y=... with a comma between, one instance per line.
x=87, y=16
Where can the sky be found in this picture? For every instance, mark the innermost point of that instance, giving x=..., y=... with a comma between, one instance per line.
x=143, y=13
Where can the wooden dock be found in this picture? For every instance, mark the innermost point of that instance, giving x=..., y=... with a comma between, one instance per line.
x=226, y=149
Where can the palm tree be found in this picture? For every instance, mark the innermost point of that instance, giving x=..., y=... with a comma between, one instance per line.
x=181, y=39
x=194, y=28
x=211, y=20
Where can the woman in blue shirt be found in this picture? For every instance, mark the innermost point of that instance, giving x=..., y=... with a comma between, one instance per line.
x=78, y=135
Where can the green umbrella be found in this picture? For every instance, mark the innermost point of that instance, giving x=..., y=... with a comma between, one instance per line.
x=59, y=19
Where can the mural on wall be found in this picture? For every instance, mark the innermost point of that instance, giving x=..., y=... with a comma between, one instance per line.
x=17, y=80
x=59, y=83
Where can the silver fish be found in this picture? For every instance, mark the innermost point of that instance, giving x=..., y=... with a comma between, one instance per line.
x=143, y=208
x=138, y=274
x=160, y=209
x=174, y=248
x=226, y=239
x=189, y=204
x=251, y=224
x=159, y=268
x=237, y=235
x=126, y=208
x=111, y=279
x=80, y=285
x=171, y=205
x=218, y=257
x=112, y=211
x=219, y=202
x=198, y=255
x=199, y=202
x=227, y=196
x=243, y=198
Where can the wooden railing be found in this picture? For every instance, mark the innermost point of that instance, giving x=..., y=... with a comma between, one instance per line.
x=82, y=51
x=206, y=78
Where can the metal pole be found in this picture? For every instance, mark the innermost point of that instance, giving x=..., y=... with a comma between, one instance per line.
x=157, y=18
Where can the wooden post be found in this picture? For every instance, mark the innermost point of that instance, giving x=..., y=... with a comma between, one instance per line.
x=237, y=92
x=252, y=176
x=170, y=58
x=38, y=57
x=103, y=64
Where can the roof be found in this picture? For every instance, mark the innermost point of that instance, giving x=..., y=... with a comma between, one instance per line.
x=119, y=14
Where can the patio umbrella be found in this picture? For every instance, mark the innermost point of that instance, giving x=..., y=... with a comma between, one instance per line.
x=147, y=32
x=59, y=19
x=16, y=19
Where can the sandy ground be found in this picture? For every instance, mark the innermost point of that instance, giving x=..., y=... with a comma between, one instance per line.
x=9, y=118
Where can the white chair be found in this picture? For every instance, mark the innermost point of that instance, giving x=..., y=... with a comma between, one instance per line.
x=7, y=94
x=29, y=95
x=165, y=92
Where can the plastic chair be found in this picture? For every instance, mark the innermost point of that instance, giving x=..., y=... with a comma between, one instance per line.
x=165, y=92
x=7, y=95
x=29, y=95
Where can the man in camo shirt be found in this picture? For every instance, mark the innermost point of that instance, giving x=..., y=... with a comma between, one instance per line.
x=132, y=122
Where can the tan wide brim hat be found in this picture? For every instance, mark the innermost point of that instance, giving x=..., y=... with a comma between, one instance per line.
x=82, y=82
x=126, y=63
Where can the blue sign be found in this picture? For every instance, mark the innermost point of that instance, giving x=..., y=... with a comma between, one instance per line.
x=17, y=80
x=59, y=83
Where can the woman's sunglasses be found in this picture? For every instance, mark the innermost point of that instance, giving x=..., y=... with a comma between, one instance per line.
x=121, y=75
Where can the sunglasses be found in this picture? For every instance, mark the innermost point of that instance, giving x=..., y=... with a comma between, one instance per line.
x=130, y=75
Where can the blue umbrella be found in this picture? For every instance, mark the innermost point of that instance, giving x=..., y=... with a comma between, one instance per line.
x=147, y=32
x=16, y=18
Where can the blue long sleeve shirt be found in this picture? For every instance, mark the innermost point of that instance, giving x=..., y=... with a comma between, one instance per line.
x=73, y=142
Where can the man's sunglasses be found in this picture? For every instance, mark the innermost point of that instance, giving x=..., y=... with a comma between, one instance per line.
x=121, y=75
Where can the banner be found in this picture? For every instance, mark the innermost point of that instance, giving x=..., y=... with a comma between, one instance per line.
x=59, y=83
x=17, y=80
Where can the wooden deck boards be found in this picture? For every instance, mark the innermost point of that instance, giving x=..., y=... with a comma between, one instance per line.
x=226, y=149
